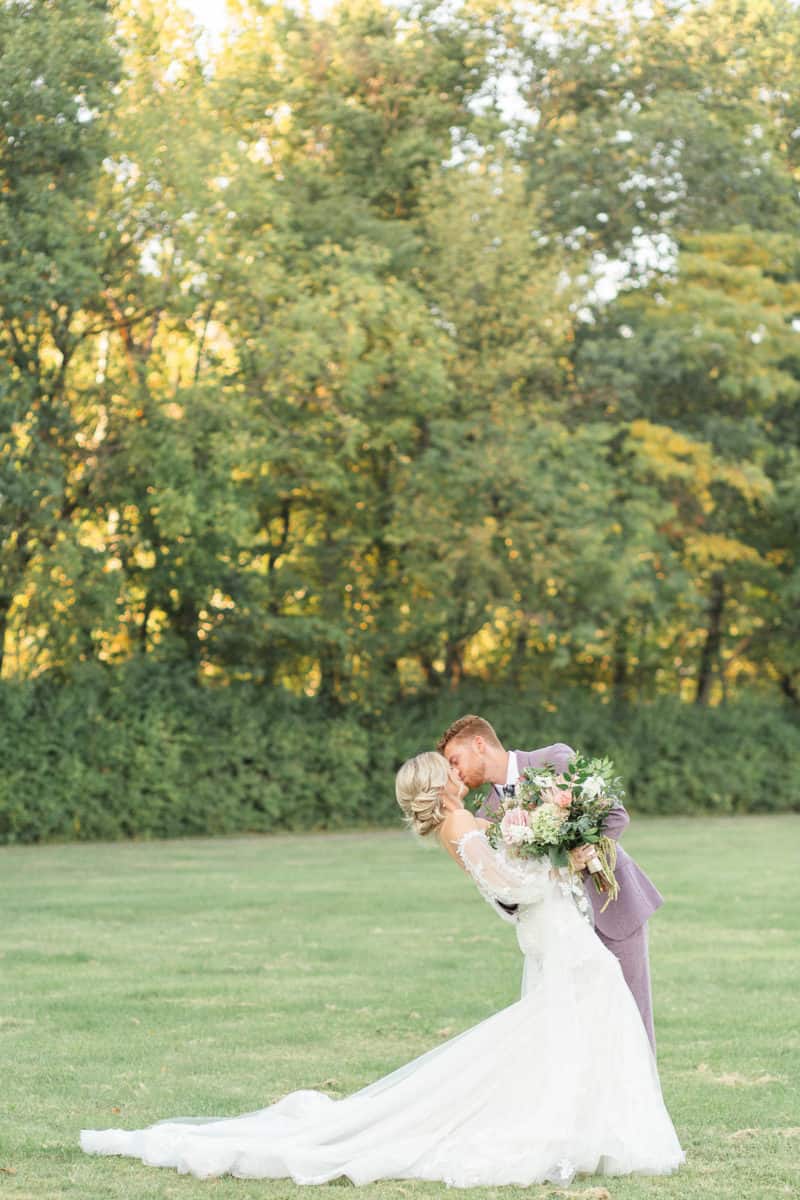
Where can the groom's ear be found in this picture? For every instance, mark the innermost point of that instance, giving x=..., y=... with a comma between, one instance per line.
x=479, y=743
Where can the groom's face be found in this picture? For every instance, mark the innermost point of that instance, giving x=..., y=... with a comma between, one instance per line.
x=466, y=757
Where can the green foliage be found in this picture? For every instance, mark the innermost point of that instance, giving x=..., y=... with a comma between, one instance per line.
x=58, y=70
x=740, y=757
x=672, y=117
x=306, y=384
x=143, y=751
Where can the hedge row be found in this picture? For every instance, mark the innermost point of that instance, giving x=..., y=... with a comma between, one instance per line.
x=145, y=752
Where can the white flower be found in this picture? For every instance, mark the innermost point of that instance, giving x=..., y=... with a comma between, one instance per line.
x=542, y=781
x=514, y=827
x=593, y=786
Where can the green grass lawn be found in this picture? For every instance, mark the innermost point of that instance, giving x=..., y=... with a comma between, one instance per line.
x=208, y=977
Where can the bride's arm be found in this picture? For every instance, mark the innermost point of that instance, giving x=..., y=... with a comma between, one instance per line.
x=458, y=825
x=496, y=877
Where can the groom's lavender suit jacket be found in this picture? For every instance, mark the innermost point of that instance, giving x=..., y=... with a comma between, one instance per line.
x=638, y=898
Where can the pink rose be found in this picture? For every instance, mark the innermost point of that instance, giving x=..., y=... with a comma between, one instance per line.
x=561, y=797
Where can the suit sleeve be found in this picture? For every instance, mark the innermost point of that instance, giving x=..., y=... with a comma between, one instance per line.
x=616, y=822
x=559, y=754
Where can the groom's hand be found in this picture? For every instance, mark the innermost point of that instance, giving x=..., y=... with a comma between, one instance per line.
x=580, y=856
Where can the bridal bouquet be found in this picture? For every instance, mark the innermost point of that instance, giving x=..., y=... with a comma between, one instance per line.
x=552, y=814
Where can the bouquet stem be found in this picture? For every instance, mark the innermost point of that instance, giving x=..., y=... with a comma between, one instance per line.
x=603, y=875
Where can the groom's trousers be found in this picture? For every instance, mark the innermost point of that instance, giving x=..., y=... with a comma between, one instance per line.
x=633, y=956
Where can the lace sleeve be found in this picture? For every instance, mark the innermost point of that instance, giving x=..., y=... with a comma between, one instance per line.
x=496, y=877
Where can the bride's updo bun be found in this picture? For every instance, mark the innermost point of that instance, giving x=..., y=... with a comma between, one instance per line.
x=419, y=787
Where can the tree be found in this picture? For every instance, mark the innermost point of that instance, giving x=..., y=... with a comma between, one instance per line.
x=58, y=71
x=648, y=122
x=701, y=374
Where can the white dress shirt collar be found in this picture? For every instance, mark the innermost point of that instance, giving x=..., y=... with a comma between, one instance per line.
x=512, y=774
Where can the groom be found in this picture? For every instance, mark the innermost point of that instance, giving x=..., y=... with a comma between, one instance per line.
x=474, y=750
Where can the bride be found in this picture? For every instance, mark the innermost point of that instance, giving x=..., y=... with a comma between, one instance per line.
x=560, y=1083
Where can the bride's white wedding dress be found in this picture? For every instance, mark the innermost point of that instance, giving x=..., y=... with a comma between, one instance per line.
x=562, y=1082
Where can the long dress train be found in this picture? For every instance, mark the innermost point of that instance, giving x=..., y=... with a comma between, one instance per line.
x=561, y=1082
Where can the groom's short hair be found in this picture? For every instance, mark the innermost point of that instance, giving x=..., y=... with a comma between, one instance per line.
x=467, y=727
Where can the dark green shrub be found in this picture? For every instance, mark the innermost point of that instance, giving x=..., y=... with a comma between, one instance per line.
x=145, y=752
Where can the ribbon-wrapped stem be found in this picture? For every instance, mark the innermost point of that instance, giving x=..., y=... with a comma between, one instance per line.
x=601, y=868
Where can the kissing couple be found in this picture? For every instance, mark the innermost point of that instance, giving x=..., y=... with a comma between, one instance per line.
x=561, y=1083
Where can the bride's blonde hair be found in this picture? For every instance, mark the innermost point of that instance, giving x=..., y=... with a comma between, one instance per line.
x=419, y=787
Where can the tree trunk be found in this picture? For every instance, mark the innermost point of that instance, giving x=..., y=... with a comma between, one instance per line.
x=330, y=676
x=619, y=665
x=789, y=689
x=5, y=605
x=710, y=654
x=329, y=654
x=146, y=611
x=432, y=676
x=519, y=655
x=454, y=664
x=185, y=622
